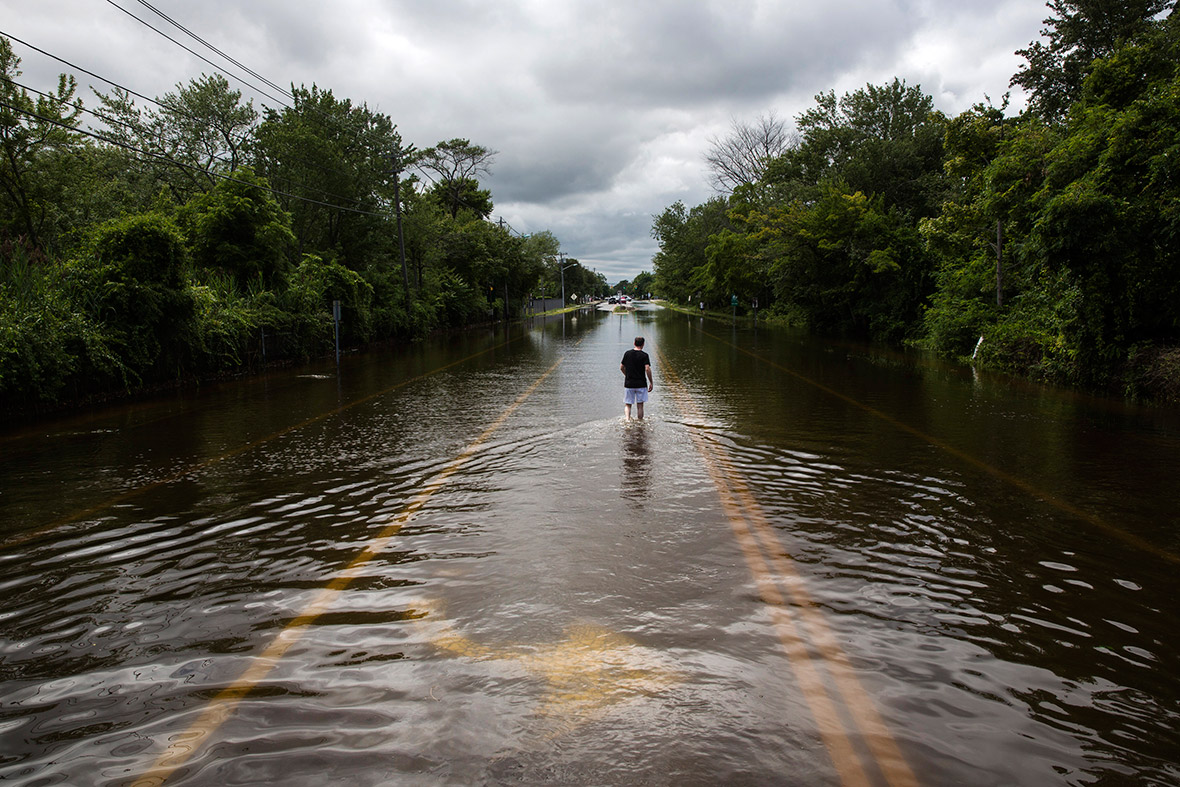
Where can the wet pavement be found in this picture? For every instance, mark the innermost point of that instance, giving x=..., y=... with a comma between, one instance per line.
x=454, y=563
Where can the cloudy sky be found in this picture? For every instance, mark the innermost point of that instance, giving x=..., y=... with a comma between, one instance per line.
x=600, y=110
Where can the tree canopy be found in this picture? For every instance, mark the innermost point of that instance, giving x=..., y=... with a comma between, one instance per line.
x=193, y=235
x=1043, y=243
x=1078, y=33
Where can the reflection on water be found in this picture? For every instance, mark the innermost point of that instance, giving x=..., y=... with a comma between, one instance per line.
x=635, y=482
x=586, y=674
x=570, y=605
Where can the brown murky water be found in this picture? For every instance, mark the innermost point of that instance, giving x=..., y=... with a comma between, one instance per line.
x=812, y=564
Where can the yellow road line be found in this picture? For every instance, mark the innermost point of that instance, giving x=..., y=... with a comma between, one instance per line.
x=137, y=491
x=770, y=565
x=220, y=708
x=872, y=727
x=1057, y=502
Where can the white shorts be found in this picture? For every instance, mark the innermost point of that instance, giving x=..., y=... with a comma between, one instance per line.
x=634, y=395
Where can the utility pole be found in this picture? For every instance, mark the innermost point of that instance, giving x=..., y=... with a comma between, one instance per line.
x=999, y=235
x=561, y=265
x=999, y=247
x=399, y=161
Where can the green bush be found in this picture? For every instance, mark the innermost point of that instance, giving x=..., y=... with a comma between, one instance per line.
x=455, y=301
x=229, y=323
x=132, y=284
x=308, y=305
x=35, y=328
x=237, y=228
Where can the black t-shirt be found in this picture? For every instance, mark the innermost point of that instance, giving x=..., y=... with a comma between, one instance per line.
x=634, y=363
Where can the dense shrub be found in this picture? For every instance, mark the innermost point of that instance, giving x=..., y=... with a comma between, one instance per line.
x=137, y=292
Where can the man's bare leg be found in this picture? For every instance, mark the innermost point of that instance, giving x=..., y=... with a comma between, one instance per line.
x=639, y=410
x=627, y=411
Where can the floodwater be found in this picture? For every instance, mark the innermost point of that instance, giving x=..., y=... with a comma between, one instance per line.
x=813, y=563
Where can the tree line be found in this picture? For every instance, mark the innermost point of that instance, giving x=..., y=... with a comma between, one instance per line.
x=1043, y=242
x=146, y=241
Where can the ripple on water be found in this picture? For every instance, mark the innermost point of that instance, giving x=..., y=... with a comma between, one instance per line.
x=575, y=562
x=952, y=614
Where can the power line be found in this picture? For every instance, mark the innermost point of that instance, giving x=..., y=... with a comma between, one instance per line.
x=180, y=111
x=241, y=139
x=211, y=174
x=92, y=74
x=196, y=37
x=129, y=91
x=194, y=54
x=266, y=81
x=111, y=121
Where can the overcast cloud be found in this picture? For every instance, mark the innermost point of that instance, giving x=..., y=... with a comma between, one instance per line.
x=601, y=111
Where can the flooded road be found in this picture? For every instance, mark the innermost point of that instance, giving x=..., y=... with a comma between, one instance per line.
x=813, y=563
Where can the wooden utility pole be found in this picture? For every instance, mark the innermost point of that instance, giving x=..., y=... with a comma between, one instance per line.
x=398, y=165
x=1000, y=231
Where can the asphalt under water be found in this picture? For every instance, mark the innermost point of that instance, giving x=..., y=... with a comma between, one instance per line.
x=454, y=563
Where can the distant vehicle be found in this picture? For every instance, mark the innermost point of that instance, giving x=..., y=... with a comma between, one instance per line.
x=613, y=299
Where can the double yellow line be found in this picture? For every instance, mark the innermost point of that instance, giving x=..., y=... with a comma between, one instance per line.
x=824, y=673
x=222, y=706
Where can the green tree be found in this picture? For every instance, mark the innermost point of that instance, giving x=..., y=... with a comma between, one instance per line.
x=425, y=222
x=1108, y=213
x=1088, y=210
x=34, y=134
x=451, y=166
x=135, y=285
x=642, y=284
x=497, y=270
x=1078, y=33
x=238, y=227
x=333, y=161
x=209, y=123
x=883, y=140
x=187, y=138
x=845, y=263
x=464, y=197
x=39, y=327
x=683, y=236
x=979, y=240
x=313, y=285
x=736, y=263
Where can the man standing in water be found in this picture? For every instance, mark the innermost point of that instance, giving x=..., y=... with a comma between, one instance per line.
x=637, y=381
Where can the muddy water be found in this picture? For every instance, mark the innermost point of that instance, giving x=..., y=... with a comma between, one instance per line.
x=812, y=563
